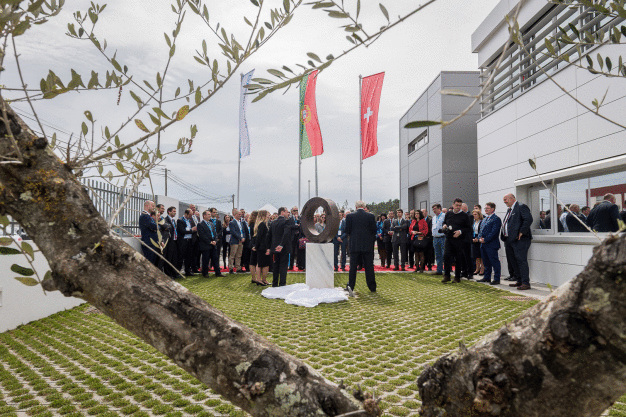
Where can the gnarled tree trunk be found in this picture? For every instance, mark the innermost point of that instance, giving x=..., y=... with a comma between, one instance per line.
x=564, y=357
x=88, y=262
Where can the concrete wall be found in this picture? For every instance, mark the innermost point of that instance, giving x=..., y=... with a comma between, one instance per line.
x=20, y=304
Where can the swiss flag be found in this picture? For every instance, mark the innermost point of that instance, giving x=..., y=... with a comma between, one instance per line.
x=370, y=99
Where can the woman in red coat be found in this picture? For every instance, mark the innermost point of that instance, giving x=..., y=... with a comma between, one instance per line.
x=419, y=241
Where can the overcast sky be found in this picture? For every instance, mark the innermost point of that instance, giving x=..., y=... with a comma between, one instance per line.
x=412, y=54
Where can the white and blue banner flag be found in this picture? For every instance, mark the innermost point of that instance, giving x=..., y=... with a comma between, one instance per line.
x=244, y=137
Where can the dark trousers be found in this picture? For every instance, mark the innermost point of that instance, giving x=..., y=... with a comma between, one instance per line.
x=389, y=250
x=149, y=254
x=520, y=260
x=210, y=254
x=225, y=253
x=170, y=252
x=468, y=265
x=365, y=259
x=279, y=268
x=491, y=261
x=382, y=252
x=245, y=256
x=429, y=253
x=401, y=246
x=411, y=252
x=301, y=258
x=195, y=250
x=510, y=260
x=453, y=249
x=218, y=248
x=337, y=246
x=185, y=249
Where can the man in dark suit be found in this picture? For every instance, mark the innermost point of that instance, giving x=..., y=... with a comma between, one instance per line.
x=574, y=220
x=361, y=227
x=294, y=240
x=172, y=267
x=193, y=246
x=490, y=244
x=456, y=225
x=517, y=237
x=387, y=235
x=603, y=217
x=280, y=236
x=185, y=232
x=207, y=243
x=219, y=231
x=148, y=231
x=400, y=228
x=339, y=242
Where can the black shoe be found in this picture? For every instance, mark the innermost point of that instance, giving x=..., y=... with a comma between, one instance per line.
x=395, y=268
x=456, y=280
x=510, y=279
x=494, y=283
x=515, y=284
x=484, y=280
x=471, y=277
x=446, y=278
x=230, y=271
x=343, y=268
x=523, y=287
x=402, y=269
x=205, y=275
x=219, y=275
x=336, y=268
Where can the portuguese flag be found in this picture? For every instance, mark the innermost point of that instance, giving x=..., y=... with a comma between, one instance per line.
x=310, y=135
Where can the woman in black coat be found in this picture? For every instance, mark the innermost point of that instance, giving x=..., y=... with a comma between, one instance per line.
x=262, y=247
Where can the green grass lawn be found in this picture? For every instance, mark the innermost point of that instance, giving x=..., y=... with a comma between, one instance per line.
x=80, y=363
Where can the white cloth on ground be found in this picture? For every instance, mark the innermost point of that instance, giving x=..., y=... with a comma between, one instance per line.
x=303, y=295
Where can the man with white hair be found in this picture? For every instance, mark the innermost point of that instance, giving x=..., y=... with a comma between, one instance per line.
x=361, y=228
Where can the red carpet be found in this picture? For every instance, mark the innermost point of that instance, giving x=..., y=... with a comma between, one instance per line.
x=377, y=268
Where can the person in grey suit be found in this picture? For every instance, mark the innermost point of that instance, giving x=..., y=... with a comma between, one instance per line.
x=400, y=228
x=361, y=228
x=516, y=236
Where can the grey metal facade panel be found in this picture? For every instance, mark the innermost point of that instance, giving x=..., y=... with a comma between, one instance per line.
x=463, y=186
x=459, y=79
x=461, y=131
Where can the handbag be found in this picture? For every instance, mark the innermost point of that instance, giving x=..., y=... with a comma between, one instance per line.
x=420, y=243
x=302, y=242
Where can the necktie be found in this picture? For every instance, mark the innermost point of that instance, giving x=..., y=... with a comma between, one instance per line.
x=506, y=221
x=175, y=231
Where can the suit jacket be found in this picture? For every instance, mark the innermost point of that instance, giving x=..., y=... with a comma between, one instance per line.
x=386, y=230
x=603, y=217
x=194, y=222
x=206, y=236
x=148, y=229
x=236, y=234
x=573, y=225
x=400, y=231
x=341, y=232
x=520, y=221
x=361, y=227
x=171, y=227
x=261, y=240
x=181, y=229
x=280, y=234
x=489, y=230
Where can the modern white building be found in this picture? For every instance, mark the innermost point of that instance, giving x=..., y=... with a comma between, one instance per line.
x=525, y=115
x=438, y=165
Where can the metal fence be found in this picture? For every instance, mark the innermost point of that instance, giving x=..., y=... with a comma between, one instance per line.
x=107, y=198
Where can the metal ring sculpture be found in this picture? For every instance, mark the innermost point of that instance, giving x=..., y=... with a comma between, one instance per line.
x=307, y=220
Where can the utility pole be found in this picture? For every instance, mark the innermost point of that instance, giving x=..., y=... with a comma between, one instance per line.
x=309, y=189
x=233, y=197
x=165, y=182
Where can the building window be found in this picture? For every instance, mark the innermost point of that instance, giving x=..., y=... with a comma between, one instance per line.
x=580, y=195
x=418, y=142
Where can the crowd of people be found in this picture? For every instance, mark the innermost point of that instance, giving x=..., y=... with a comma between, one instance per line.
x=603, y=217
x=260, y=242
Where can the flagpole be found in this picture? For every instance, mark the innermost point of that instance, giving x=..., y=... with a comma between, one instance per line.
x=299, y=156
x=360, y=141
x=317, y=194
x=239, y=158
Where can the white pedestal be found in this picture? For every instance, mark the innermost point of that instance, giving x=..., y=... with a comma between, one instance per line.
x=319, y=265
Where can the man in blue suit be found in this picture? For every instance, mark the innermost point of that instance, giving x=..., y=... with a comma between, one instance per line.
x=516, y=236
x=148, y=230
x=339, y=241
x=490, y=244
